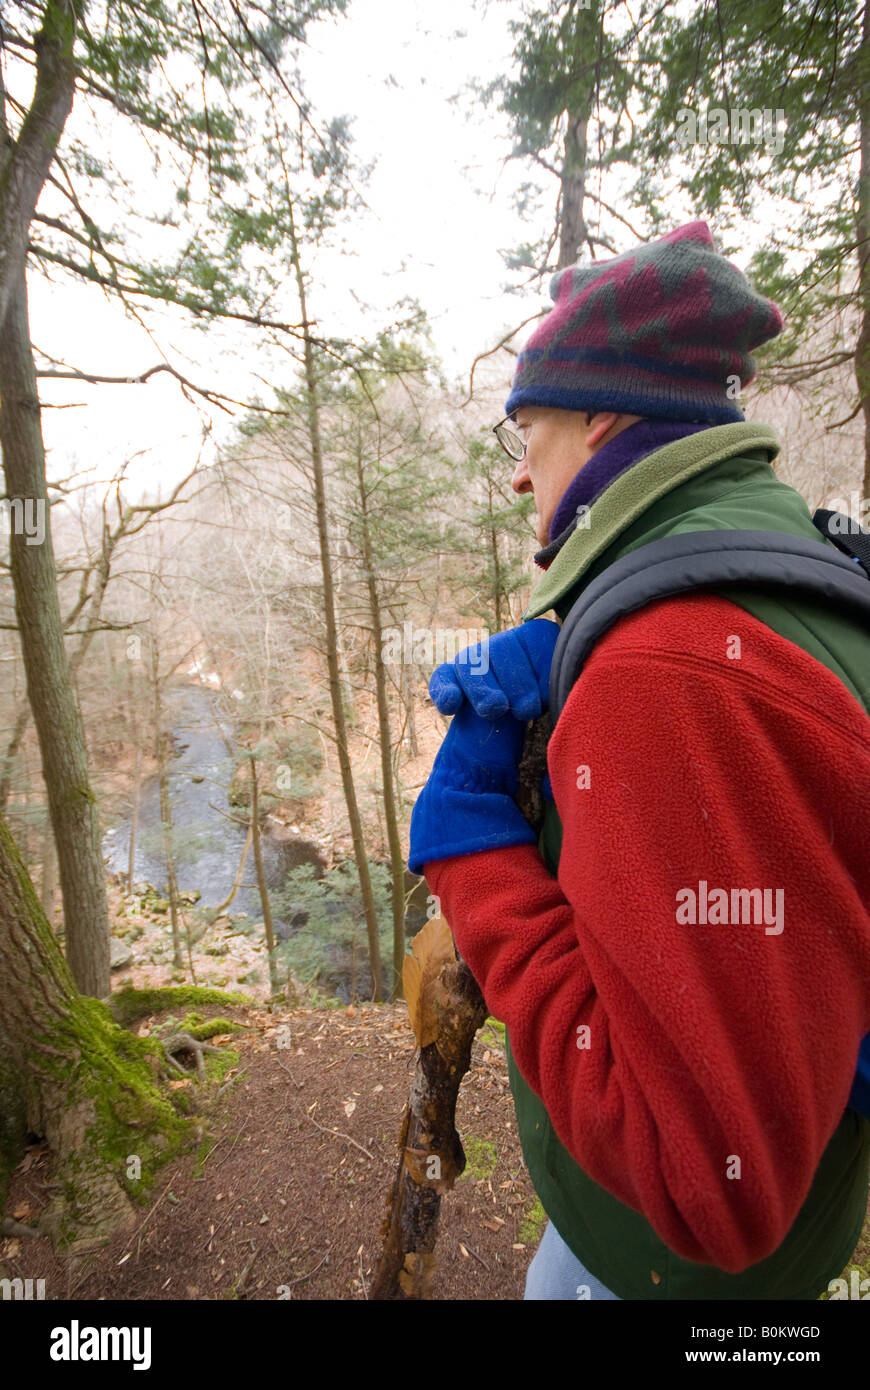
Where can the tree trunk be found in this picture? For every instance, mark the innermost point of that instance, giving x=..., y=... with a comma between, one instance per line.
x=862, y=237
x=408, y=701
x=397, y=859
x=49, y=871
x=163, y=745
x=134, y=821
x=25, y=811
x=50, y=690
x=496, y=563
x=25, y=162
x=22, y=719
x=133, y=721
x=222, y=907
x=72, y=1076
x=335, y=692
x=262, y=886
x=574, y=232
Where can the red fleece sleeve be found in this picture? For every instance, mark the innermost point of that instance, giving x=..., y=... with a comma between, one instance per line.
x=696, y=1070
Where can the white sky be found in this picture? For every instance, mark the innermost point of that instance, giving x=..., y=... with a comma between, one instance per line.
x=441, y=211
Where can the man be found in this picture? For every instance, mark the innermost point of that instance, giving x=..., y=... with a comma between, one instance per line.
x=680, y=1074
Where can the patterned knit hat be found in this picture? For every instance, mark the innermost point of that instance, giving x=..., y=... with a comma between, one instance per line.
x=656, y=332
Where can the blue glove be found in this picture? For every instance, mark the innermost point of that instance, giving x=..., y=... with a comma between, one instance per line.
x=507, y=673
x=468, y=802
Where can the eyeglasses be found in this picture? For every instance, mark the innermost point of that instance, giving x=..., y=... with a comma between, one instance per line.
x=513, y=446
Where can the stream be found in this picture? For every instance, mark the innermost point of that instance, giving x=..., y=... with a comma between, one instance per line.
x=207, y=845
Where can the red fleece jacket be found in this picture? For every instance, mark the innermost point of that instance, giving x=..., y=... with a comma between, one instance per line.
x=719, y=1058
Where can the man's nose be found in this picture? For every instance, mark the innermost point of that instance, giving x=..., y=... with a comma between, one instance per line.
x=521, y=482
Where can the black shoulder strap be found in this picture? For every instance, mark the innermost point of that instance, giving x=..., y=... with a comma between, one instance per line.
x=846, y=534
x=704, y=560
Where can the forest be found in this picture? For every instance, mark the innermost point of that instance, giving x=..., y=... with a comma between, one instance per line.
x=252, y=498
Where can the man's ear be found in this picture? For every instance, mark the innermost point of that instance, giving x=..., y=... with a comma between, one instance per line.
x=602, y=423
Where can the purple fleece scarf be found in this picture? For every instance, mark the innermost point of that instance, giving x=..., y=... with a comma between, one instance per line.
x=605, y=467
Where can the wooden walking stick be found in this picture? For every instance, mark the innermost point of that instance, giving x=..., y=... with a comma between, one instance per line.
x=446, y=1009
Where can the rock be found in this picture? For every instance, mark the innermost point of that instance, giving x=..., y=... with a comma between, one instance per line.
x=119, y=955
x=189, y=897
x=160, y=905
x=141, y=889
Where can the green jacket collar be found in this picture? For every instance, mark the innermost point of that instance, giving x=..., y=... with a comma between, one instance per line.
x=629, y=496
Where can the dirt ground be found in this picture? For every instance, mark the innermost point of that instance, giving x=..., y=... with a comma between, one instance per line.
x=292, y=1194
x=286, y=1197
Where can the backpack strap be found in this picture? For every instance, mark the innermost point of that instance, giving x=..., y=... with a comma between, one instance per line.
x=846, y=534
x=705, y=560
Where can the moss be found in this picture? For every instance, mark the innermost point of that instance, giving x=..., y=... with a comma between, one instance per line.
x=95, y=1060
x=480, y=1158
x=317, y=1000
x=534, y=1221
x=12, y=1123
x=202, y=1154
x=91, y=1083
x=496, y=1033
x=217, y=1064
x=130, y=1004
x=203, y=1029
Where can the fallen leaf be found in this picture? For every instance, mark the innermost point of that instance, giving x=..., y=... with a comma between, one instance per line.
x=494, y=1225
x=377, y=1088
x=221, y=1039
x=21, y=1212
x=464, y=1251
x=349, y=1107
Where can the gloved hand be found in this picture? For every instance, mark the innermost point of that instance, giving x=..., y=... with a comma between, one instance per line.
x=468, y=802
x=505, y=674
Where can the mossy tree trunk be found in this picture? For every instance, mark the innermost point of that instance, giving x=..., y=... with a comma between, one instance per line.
x=50, y=689
x=69, y=1074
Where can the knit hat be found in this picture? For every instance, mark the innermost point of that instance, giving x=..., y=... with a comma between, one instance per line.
x=656, y=332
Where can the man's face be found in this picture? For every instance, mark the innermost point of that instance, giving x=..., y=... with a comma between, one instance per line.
x=556, y=449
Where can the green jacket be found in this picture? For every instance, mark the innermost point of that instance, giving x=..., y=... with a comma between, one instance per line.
x=719, y=479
